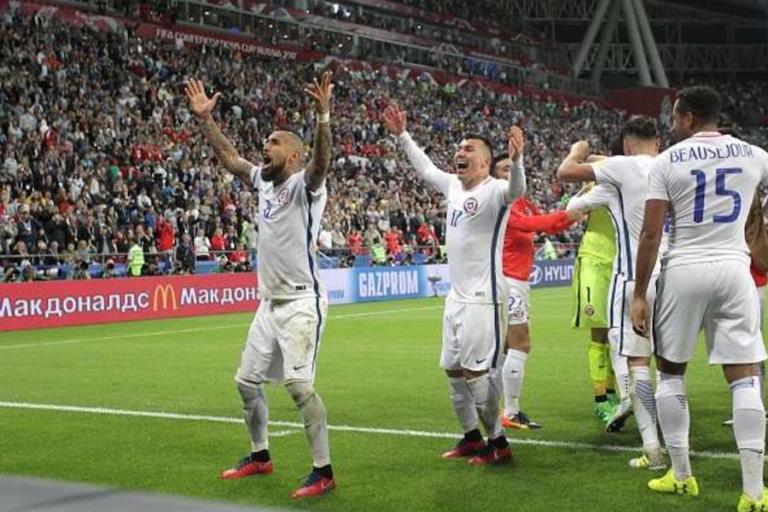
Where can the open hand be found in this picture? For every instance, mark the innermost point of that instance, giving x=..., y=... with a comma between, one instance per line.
x=321, y=92
x=199, y=103
x=516, y=143
x=394, y=119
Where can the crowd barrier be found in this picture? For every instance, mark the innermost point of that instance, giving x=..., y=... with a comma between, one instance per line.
x=65, y=303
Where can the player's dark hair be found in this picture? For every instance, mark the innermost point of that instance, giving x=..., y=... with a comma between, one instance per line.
x=617, y=146
x=475, y=136
x=498, y=158
x=642, y=127
x=702, y=102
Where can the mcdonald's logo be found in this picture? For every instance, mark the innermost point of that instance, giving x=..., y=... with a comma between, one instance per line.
x=164, y=292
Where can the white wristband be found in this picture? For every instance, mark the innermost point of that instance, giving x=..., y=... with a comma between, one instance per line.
x=325, y=117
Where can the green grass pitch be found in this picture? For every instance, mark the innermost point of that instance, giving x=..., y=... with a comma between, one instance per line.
x=378, y=369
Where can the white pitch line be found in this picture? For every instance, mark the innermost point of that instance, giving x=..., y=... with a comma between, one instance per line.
x=214, y=328
x=199, y=329
x=570, y=445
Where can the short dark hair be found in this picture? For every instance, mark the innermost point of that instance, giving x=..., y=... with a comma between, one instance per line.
x=702, y=102
x=498, y=158
x=642, y=127
x=617, y=146
x=475, y=136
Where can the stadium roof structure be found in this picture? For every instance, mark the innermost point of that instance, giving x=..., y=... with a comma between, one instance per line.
x=748, y=9
x=677, y=40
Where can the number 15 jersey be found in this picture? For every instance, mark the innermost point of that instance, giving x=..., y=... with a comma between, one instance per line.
x=709, y=180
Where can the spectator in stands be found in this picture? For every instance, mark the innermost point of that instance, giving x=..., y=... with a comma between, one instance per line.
x=378, y=253
x=167, y=239
x=218, y=242
x=239, y=255
x=185, y=256
x=202, y=245
x=80, y=271
x=108, y=270
x=325, y=240
x=29, y=274
x=394, y=239
x=135, y=257
x=355, y=242
x=11, y=273
x=250, y=238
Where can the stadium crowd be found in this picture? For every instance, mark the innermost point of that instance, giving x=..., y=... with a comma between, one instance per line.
x=100, y=157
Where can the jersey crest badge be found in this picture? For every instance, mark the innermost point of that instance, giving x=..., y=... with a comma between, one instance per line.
x=470, y=206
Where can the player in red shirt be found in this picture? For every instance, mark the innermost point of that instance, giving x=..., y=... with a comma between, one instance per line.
x=525, y=220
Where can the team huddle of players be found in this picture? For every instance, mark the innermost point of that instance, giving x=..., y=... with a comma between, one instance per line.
x=689, y=201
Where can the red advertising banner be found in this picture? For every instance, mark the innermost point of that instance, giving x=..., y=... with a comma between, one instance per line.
x=63, y=303
x=200, y=37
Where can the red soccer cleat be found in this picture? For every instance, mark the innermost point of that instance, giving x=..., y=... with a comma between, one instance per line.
x=465, y=448
x=314, y=485
x=248, y=467
x=491, y=455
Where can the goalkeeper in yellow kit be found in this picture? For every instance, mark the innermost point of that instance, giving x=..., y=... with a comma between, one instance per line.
x=590, y=287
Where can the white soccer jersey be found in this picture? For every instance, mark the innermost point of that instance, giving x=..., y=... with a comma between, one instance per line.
x=289, y=223
x=710, y=181
x=622, y=186
x=474, y=234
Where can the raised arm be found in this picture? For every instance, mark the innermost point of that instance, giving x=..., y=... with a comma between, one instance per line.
x=591, y=197
x=395, y=122
x=202, y=106
x=320, y=163
x=575, y=166
x=516, y=184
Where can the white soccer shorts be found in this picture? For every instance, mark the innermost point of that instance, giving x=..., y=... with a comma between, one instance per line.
x=283, y=341
x=620, y=315
x=518, y=309
x=719, y=297
x=472, y=335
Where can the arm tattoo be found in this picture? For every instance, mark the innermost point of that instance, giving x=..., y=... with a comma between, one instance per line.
x=225, y=150
x=321, y=156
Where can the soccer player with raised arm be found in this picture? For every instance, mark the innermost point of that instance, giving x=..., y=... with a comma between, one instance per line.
x=525, y=220
x=477, y=209
x=705, y=183
x=622, y=184
x=284, y=338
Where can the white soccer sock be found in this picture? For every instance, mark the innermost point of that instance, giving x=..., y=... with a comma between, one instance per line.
x=619, y=364
x=256, y=413
x=749, y=431
x=644, y=407
x=675, y=422
x=512, y=379
x=315, y=418
x=463, y=403
x=486, y=394
x=498, y=372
